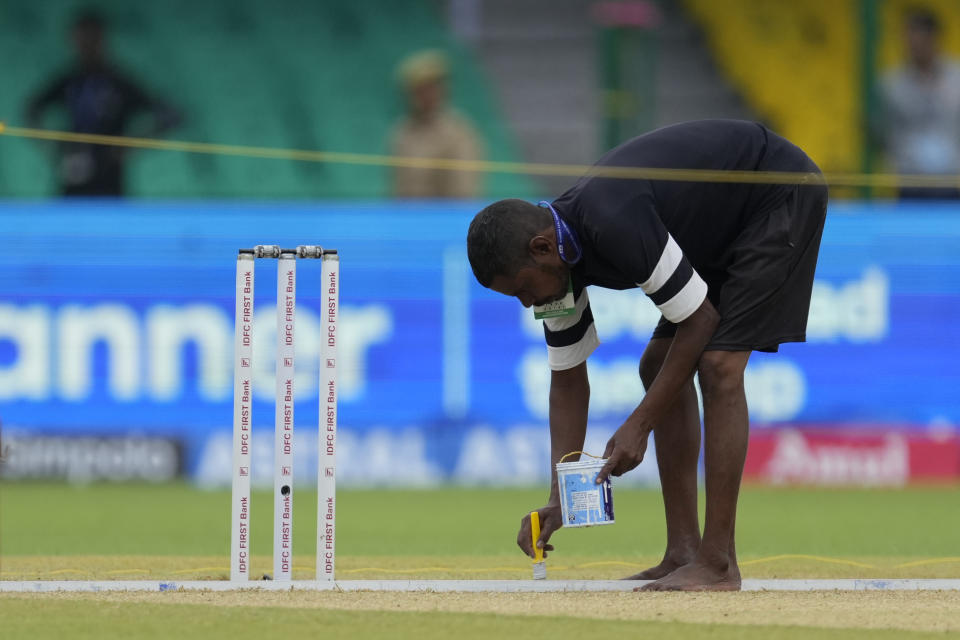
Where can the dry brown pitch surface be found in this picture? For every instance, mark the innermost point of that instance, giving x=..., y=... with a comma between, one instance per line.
x=937, y=611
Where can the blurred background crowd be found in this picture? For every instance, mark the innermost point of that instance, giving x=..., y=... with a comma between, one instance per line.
x=862, y=85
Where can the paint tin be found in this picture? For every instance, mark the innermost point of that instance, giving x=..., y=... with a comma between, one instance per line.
x=583, y=502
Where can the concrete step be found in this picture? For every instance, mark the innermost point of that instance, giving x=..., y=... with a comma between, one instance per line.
x=541, y=57
x=535, y=14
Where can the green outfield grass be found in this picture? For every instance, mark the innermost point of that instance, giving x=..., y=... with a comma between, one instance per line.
x=178, y=530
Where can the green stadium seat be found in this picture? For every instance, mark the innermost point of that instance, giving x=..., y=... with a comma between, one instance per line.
x=316, y=75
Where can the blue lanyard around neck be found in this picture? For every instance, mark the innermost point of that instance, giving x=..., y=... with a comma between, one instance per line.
x=564, y=233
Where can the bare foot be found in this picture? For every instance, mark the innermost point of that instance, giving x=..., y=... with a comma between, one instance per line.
x=668, y=565
x=733, y=574
x=697, y=577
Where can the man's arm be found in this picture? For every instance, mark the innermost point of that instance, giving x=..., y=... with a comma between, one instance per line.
x=692, y=336
x=626, y=448
x=569, y=401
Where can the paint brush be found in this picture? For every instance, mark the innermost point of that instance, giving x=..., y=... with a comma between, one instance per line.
x=539, y=564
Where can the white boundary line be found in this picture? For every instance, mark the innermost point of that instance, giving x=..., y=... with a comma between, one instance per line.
x=448, y=586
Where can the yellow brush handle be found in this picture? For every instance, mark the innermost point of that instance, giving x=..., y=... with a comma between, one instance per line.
x=535, y=535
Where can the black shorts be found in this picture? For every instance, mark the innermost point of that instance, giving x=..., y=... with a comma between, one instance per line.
x=763, y=296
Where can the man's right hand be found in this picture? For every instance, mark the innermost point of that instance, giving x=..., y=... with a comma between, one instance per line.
x=550, y=520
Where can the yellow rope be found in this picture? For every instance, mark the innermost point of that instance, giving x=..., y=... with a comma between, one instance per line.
x=609, y=563
x=62, y=571
x=511, y=569
x=200, y=570
x=794, y=556
x=582, y=453
x=587, y=565
x=117, y=572
x=878, y=180
x=918, y=563
x=438, y=570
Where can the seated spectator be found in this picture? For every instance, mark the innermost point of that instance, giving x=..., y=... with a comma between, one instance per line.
x=920, y=109
x=432, y=129
x=98, y=99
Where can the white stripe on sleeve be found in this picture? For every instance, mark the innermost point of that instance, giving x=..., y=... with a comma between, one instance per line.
x=666, y=265
x=561, y=358
x=688, y=299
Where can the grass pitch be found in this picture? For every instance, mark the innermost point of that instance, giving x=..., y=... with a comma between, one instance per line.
x=178, y=532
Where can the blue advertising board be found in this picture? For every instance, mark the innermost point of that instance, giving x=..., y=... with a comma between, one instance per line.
x=116, y=319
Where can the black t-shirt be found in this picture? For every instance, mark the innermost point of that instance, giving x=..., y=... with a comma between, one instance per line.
x=667, y=237
x=99, y=101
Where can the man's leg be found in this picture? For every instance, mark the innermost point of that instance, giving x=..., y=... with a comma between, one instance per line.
x=677, y=439
x=726, y=429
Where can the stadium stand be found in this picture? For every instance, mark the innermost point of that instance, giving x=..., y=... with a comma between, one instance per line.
x=543, y=57
x=798, y=64
x=314, y=75
x=891, y=49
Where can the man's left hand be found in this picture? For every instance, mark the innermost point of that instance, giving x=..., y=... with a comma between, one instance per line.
x=626, y=448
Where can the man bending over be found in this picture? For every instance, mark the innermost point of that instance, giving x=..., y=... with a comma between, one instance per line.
x=730, y=265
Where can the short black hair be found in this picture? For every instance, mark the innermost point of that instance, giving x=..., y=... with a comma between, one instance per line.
x=499, y=237
x=923, y=19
